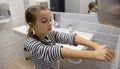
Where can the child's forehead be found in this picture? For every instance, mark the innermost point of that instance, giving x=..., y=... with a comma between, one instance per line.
x=44, y=14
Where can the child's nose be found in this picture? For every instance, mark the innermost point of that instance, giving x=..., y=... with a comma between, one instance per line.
x=50, y=24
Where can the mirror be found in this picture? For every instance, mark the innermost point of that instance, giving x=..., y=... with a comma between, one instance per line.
x=109, y=12
x=77, y=6
x=70, y=6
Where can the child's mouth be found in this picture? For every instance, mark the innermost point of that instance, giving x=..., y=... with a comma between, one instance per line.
x=49, y=28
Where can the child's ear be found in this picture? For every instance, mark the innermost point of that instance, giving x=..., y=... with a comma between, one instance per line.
x=30, y=24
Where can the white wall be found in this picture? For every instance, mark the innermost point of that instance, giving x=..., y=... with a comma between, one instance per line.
x=44, y=1
x=84, y=6
x=11, y=45
x=72, y=6
x=32, y=2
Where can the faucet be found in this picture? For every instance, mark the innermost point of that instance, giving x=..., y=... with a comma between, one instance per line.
x=69, y=27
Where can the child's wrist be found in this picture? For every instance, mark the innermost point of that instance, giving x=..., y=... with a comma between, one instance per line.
x=93, y=55
x=97, y=46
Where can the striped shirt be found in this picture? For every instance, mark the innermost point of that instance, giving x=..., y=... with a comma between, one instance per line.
x=46, y=53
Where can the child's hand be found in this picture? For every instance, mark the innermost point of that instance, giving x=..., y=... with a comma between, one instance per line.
x=104, y=54
x=104, y=47
x=101, y=46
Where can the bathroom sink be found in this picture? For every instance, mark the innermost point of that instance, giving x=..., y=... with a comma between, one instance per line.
x=4, y=20
x=83, y=34
x=22, y=31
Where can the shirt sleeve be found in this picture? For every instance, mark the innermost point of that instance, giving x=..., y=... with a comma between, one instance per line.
x=47, y=53
x=64, y=38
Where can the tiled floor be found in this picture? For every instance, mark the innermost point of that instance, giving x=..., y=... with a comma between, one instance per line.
x=21, y=64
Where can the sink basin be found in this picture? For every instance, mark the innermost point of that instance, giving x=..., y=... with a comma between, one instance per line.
x=4, y=20
x=22, y=31
x=83, y=34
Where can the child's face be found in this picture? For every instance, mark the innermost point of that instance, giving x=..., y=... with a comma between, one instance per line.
x=94, y=9
x=43, y=23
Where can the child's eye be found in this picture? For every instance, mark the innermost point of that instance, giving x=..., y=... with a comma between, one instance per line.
x=44, y=21
x=50, y=20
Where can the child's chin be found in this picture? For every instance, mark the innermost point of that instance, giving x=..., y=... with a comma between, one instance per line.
x=49, y=31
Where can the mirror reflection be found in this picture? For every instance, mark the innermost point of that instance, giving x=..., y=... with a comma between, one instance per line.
x=69, y=6
x=79, y=6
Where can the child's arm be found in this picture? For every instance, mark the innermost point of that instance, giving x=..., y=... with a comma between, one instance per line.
x=83, y=41
x=63, y=38
x=101, y=54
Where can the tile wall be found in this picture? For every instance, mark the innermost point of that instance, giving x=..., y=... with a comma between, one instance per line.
x=11, y=45
x=103, y=35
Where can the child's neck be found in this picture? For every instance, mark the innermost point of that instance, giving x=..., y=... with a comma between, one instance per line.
x=42, y=37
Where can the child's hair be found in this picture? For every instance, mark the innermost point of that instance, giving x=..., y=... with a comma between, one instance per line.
x=31, y=15
x=91, y=5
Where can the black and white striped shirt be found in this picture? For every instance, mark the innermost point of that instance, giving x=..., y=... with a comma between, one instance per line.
x=45, y=53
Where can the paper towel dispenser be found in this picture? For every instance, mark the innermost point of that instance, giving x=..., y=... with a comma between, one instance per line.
x=109, y=12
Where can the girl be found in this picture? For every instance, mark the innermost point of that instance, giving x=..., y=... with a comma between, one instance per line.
x=41, y=42
x=92, y=8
